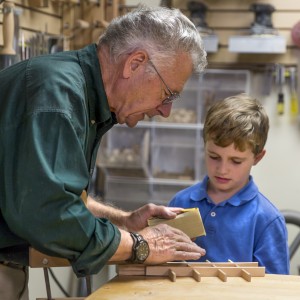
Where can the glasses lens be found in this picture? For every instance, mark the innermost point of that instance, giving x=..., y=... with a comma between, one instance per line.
x=171, y=98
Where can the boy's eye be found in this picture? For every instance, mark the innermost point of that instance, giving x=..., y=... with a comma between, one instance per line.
x=214, y=157
x=237, y=162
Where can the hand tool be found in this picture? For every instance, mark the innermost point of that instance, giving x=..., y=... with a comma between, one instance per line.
x=8, y=53
x=280, y=78
x=294, y=97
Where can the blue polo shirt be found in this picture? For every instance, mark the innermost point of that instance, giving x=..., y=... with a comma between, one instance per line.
x=246, y=227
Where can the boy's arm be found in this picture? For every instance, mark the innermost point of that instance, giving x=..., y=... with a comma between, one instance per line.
x=272, y=249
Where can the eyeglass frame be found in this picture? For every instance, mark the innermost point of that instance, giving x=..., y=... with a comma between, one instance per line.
x=173, y=95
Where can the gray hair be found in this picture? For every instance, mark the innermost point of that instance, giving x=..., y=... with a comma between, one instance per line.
x=161, y=31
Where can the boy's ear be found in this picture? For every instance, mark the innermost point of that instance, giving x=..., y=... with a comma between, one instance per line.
x=259, y=156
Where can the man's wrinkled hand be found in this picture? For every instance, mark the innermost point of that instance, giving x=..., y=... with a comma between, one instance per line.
x=170, y=244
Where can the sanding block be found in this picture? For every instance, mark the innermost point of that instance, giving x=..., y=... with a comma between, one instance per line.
x=189, y=221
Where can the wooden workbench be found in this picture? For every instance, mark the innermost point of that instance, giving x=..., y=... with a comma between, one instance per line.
x=269, y=287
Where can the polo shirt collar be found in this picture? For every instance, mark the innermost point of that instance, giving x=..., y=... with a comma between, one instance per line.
x=246, y=194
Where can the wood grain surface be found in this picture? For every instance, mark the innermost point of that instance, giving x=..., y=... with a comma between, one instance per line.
x=273, y=287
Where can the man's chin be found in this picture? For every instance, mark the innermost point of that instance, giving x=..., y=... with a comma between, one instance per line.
x=132, y=122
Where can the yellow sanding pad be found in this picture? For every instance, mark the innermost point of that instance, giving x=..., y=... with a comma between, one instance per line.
x=189, y=221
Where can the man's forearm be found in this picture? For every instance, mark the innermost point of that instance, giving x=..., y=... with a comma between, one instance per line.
x=101, y=210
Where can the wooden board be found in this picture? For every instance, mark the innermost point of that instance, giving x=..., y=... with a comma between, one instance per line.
x=275, y=287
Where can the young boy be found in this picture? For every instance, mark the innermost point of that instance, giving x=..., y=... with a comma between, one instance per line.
x=241, y=224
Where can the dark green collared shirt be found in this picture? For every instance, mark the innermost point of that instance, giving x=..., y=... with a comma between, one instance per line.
x=53, y=113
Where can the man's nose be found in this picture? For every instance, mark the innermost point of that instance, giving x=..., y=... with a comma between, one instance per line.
x=165, y=109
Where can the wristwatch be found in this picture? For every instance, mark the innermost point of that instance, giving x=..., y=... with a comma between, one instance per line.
x=140, y=249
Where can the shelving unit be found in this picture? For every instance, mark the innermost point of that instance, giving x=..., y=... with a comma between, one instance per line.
x=159, y=157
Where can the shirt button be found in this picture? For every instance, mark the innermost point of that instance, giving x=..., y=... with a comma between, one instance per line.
x=213, y=214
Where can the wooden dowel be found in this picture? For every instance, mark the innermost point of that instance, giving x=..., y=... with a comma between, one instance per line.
x=222, y=275
x=246, y=275
x=196, y=275
x=172, y=275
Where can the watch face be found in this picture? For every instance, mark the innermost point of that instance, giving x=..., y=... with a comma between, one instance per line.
x=142, y=251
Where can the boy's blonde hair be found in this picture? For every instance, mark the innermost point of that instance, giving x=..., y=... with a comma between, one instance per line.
x=239, y=119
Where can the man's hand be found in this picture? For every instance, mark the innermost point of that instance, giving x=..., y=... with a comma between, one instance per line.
x=169, y=244
x=132, y=221
x=165, y=242
x=137, y=219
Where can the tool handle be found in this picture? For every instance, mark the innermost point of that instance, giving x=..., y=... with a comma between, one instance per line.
x=8, y=28
x=280, y=104
x=294, y=104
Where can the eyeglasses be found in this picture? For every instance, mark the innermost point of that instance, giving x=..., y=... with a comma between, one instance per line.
x=173, y=96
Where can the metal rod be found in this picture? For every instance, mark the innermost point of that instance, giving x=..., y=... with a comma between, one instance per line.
x=88, y=284
x=48, y=289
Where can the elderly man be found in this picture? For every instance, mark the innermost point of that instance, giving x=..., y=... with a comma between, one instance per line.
x=54, y=111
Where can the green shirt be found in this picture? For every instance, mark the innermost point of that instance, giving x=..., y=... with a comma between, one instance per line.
x=53, y=113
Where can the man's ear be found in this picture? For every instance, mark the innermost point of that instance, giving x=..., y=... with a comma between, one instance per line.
x=259, y=157
x=134, y=61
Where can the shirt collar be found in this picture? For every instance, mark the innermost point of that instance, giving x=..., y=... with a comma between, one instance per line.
x=246, y=194
x=97, y=99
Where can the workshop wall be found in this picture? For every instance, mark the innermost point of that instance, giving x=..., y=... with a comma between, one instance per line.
x=232, y=17
x=81, y=22
x=32, y=17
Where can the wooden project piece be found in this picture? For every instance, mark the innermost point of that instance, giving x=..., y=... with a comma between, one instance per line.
x=173, y=270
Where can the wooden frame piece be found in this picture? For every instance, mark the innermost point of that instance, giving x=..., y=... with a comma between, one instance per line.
x=223, y=270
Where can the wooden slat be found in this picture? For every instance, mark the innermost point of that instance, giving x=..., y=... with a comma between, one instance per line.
x=32, y=19
x=246, y=275
x=129, y=269
x=40, y=22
